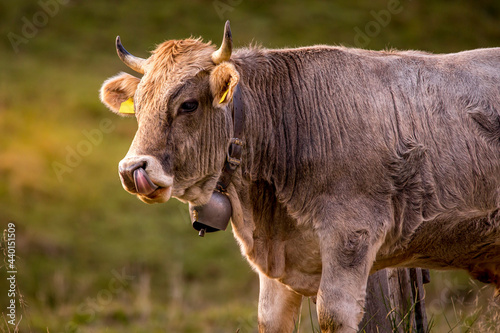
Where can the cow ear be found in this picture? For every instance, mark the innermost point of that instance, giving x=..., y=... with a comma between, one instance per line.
x=118, y=89
x=223, y=80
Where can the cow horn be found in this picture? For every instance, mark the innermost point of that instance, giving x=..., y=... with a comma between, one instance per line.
x=131, y=61
x=224, y=52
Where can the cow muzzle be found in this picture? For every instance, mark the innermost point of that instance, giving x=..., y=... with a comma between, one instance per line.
x=144, y=176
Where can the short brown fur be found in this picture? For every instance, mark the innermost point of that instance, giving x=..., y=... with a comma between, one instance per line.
x=354, y=161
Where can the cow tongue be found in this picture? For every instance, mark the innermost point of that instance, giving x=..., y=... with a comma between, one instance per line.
x=143, y=184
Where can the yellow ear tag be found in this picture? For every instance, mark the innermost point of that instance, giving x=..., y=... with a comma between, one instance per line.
x=223, y=98
x=127, y=107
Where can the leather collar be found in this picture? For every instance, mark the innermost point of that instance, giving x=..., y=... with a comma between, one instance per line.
x=216, y=213
x=235, y=149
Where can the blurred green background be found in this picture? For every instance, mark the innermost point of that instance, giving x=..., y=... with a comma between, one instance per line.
x=91, y=257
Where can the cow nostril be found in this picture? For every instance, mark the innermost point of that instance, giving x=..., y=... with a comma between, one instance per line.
x=130, y=168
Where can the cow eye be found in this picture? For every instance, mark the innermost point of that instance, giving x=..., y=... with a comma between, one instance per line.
x=189, y=106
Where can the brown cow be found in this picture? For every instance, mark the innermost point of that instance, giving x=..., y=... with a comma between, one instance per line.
x=353, y=161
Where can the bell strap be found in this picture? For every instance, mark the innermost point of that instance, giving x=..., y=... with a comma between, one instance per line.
x=235, y=149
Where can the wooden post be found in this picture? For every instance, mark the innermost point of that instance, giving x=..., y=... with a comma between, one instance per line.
x=395, y=301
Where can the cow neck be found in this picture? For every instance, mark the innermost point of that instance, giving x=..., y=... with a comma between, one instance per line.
x=235, y=149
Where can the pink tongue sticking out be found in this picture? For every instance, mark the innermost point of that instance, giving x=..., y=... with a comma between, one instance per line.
x=143, y=184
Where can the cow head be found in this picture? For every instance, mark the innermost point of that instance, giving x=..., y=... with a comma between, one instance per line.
x=184, y=122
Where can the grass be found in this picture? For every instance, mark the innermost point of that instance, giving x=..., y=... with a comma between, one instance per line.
x=469, y=307
x=72, y=234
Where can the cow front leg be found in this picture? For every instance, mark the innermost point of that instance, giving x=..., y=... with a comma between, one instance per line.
x=279, y=306
x=348, y=247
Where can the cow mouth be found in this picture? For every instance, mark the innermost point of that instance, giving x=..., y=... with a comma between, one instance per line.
x=143, y=185
x=147, y=190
